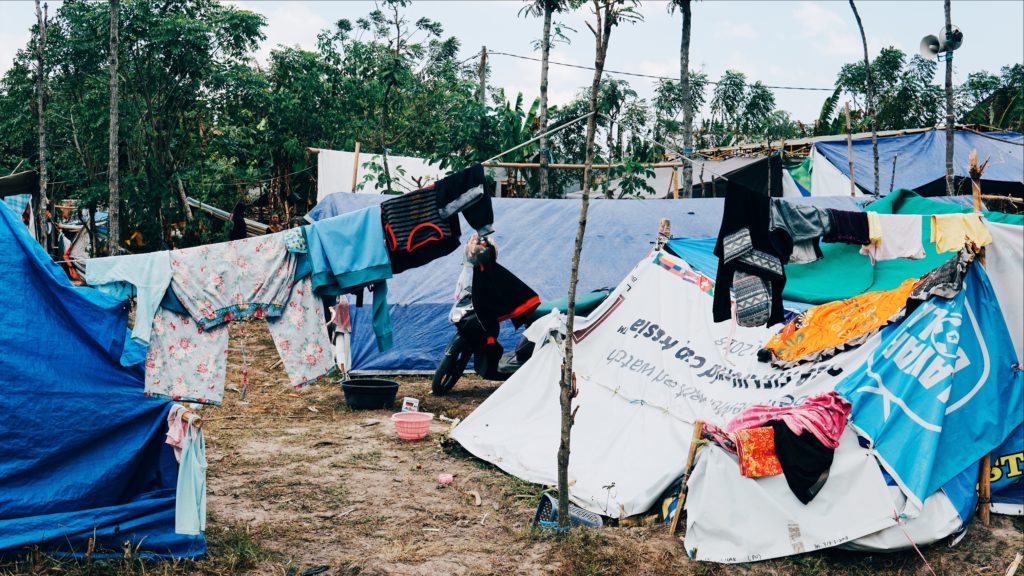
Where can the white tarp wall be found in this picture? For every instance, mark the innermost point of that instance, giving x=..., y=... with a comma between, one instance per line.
x=335, y=169
x=826, y=179
x=649, y=362
x=1004, y=258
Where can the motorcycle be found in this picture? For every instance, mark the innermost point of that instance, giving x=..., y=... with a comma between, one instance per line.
x=477, y=323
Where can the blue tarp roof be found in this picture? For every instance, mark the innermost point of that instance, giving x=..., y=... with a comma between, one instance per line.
x=83, y=450
x=921, y=157
x=535, y=241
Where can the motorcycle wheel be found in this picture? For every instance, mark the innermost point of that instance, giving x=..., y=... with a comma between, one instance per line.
x=453, y=364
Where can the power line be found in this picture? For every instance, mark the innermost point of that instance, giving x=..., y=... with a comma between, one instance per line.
x=652, y=76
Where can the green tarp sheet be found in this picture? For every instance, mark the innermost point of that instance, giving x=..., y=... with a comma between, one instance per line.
x=845, y=273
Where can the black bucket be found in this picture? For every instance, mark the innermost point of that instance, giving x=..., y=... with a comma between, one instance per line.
x=370, y=393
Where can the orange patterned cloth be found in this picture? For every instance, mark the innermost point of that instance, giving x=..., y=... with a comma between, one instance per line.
x=824, y=330
x=757, y=452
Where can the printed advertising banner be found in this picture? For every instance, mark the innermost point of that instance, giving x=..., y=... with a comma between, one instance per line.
x=649, y=362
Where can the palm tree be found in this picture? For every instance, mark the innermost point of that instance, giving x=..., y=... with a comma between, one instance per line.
x=42, y=201
x=113, y=212
x=547, y=9
x=684, y=83
x=870, y=93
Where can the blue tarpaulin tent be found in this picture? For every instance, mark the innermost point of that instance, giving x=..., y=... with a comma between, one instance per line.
x=82, y=452
x=921, y=160
x=535, y=241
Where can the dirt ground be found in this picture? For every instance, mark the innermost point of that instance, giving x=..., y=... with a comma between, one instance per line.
x=299, y=485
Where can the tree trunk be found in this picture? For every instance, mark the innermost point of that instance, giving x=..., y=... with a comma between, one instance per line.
x=92, y=231
x=42, y=202
x=545, y=53
x=949, y=108
x=604, y=14
x=870, y=94
x=114, y=203
x=684, y=82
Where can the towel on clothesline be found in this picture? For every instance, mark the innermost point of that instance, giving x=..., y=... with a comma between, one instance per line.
x=893, y=236
x=950, y=232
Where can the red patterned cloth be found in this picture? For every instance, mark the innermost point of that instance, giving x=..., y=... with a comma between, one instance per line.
x=757, y=452
x=823, y=415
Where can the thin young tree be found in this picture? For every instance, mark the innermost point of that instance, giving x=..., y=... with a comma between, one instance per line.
x=869, y=83
x=949, y=106
x=607, y=15
x=684, y=84
x=42, y=203
x=113, y=204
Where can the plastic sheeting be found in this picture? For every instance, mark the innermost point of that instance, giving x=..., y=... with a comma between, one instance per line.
x=1004, y=261
x=335, y=168
x=535, y=241
x=83, y=450
x=921, y=159
x=649, y=362
x=844, y=272
x=854, y=502
x=827, y=180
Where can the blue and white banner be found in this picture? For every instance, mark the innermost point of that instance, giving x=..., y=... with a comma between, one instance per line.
x=940, y=391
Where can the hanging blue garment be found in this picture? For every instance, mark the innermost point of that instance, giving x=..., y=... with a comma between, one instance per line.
x=190, y=507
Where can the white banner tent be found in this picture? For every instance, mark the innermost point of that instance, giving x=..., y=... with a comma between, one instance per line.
x=335, y=169
x=649, y=362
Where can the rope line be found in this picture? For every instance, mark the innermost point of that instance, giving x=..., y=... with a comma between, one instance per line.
x=652, y=76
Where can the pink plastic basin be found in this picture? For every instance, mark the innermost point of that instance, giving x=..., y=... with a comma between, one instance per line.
x=412, y=425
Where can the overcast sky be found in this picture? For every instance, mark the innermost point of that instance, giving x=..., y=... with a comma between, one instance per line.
x=780, y=43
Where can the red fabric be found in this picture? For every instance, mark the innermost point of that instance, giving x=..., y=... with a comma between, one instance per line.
x=524, y=308
x=823, y=415
x=757, y=452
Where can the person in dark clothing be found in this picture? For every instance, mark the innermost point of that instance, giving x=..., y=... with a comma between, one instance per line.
x=238, y=231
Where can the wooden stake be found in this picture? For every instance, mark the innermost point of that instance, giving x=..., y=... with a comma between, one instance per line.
x=849, y=147
x=985, y=473
x=355, y=169
x=985, y=489
x=698, y=428
x=1012, y=568
x=675, y=183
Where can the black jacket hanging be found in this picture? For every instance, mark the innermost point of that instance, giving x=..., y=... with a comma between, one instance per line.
x=500, y=295
x=422, y=226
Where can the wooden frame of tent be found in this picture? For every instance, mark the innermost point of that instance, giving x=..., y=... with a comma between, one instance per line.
x=801, y=147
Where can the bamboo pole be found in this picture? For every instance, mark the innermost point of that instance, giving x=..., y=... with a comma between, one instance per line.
x=698, y=428
x=1003, y=198
x=355, y=168
x=985, y=471
x=849, y=147
x=576, y=166
x=985, y=489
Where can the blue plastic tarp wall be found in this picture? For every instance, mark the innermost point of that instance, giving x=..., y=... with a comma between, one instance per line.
x=921, y=158
x=535, y=241
x=82, y=451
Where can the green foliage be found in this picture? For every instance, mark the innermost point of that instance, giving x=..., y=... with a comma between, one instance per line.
x=196, y=109
x=993, y=100
x=905, y=94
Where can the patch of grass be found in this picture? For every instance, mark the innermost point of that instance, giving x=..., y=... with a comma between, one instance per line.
x=36, y=562
x=235, y=548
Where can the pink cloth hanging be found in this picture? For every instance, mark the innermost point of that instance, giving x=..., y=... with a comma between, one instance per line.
x=823, y=415
x=176, y=428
